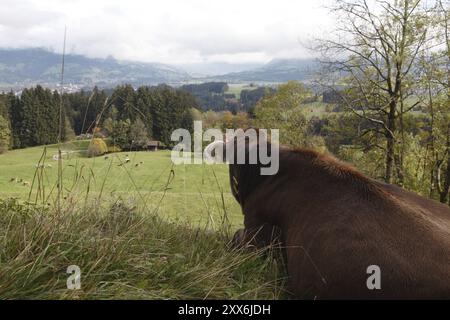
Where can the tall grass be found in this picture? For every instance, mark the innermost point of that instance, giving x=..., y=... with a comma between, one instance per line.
x=125, y=251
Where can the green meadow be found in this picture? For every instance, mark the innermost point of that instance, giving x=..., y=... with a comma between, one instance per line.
x=236, y=89
x=198, y=194
x=145, y=229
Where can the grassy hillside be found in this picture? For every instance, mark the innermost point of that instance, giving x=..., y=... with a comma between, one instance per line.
x=236, y=89
x=123, y=253
x=135, y=232
x=194, y=192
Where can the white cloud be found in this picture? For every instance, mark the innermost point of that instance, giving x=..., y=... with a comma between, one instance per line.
x=168, y=31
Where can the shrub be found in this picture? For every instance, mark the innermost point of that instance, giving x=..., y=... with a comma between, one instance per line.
x=112, y=149
x=97, y=147
x=127, y=134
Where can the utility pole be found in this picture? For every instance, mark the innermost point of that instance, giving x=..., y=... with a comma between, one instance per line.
x=61, y=122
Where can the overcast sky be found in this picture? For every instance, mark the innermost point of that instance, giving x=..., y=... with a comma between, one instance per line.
x=167, y=31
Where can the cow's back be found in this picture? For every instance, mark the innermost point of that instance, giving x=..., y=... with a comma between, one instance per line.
x=406, y=235
x=335, y=223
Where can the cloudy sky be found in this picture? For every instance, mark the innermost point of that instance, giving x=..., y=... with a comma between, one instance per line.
x=167, y=31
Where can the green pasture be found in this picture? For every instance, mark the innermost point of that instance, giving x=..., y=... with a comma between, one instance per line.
x=198, y=194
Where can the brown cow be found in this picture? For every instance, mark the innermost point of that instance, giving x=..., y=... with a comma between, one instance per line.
x=335, y=223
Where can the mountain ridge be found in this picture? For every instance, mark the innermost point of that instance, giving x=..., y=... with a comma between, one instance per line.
x=276, y=70
x=27, y=67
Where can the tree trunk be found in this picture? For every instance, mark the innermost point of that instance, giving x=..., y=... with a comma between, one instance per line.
x=399, y=169
x=400, y=156
x=390, y=143
x=389, y=159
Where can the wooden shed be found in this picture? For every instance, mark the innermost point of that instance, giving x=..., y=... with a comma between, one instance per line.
x=154, y=145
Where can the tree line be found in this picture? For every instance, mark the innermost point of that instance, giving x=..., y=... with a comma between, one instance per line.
x=130, y=117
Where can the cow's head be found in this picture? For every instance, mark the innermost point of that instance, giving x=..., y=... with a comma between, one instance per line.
x=247, y=152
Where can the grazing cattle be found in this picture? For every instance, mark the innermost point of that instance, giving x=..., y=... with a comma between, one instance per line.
x=126, y=160
x=335, y=223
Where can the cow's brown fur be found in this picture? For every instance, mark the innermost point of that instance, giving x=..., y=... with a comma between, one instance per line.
x=335, y=222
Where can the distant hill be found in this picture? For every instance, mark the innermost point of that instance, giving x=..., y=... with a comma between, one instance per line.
x=26, y=67
x=277, y=70
x=211, y=69
x=21, y=68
